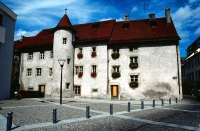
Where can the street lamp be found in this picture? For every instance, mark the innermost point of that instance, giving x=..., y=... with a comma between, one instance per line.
x=61, y=62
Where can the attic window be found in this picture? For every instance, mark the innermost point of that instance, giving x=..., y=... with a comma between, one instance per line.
x=125, y=25
x=95, y=25
x=153, y=23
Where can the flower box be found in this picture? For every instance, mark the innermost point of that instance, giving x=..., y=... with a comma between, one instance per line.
x=80, y=74
x=116, y=75
x=93, y=74
x=133, y=84
x=133, y=65
x=94, y=54
x=115, y=55
x=80, y=55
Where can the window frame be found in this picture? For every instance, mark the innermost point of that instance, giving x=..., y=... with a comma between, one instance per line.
x=76, y=91
x=38, y=71
x=29, y=72
x=64, y=40
x=30, y=56
x=41, y=55
x=50, y=72
x=94, y=69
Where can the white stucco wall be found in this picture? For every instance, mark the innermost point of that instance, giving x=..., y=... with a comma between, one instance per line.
x=34, y=81
x=63, y=51
x=87, y=82
x=157, y=67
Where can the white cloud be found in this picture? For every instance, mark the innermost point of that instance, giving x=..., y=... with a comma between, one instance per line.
x=134, y=9
x=197, y=32
x=186, y=19
x=192, y=1
x=21, y=32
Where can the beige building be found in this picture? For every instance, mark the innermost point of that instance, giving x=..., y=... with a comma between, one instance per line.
x=130, y=59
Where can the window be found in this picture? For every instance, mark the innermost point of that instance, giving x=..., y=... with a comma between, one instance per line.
x=77, y=90
x=64, y=40
x=116, y=69
x=1, y=19
x=51, y=54
x=39, y=72
x=94, y=68
x=29, y=72
x=116, y=50
x=93, y=49
x=133, y=59
x=78, y=69
x=197, y=60
x=80, y=50
x=50, y=72
x=68, y=61
x=42, y=55
x=134, y=78
x=198, y=74
x=133, y=48
x=30, y=56
x=67, y=85
x=94, y=54
x=95, y=90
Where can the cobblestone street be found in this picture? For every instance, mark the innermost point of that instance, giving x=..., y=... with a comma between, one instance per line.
x=36, y=115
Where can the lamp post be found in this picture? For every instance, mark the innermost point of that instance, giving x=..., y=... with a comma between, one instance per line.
x=61, y=62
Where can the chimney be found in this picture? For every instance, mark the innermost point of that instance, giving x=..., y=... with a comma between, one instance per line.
x=126, y=17
x=167, y=14
x=151, y=17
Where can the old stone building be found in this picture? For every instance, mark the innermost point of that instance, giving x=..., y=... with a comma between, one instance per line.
x=130, y=59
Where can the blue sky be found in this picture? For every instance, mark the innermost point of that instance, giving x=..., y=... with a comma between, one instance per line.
x=35, y=15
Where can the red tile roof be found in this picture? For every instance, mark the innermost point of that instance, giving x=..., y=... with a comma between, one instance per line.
x=64, y=23
x=43, y=38
x=109, y=31
x=94, y=31
x=141, y=30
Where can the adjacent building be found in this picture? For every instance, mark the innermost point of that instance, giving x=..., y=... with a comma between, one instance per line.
x=130, y=59
x=191, y=68
x=7, y=27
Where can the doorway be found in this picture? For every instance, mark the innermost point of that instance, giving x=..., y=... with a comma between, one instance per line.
x=114, y=91
x=41, y=90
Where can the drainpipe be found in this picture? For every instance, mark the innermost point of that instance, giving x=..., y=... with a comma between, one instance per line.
x=179, y=71
x=107, y=72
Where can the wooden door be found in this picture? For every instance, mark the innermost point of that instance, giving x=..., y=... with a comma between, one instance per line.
x=42, y=90
x=114, y=91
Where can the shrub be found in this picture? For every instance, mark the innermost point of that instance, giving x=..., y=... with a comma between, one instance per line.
x=133, y=65
x=133, y=84
x=116, y=75
x=115, y=55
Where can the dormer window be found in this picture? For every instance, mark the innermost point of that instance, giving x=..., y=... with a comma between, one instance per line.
x=95, y=25
x=64, y=40
x=125, y=25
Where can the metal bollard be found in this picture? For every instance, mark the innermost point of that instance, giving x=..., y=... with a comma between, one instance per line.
x=9, y=121
x=54, y=115
x=111, y=109
x=170, y=101
x=142, y=104
x=162, y=101
x=87, y=112
x=153, y=103
x=129, y=106
x=176, y=100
